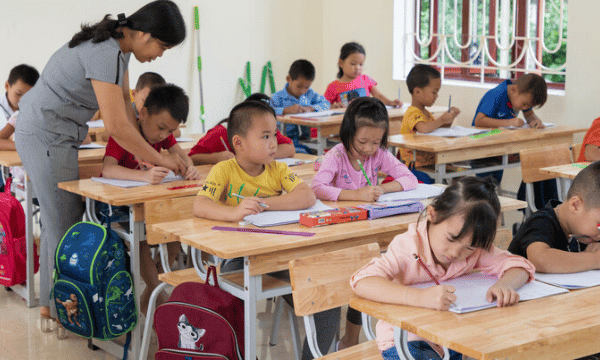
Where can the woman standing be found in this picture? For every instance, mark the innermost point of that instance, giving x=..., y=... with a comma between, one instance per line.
x=86, y=75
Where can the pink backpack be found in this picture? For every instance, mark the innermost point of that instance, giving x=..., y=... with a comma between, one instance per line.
x=200, y=322
x=13, y=246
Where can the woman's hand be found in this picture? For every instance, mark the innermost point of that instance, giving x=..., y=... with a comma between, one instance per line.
x=174, y=162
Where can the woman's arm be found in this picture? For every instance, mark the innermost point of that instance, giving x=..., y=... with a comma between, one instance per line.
x=117, y=124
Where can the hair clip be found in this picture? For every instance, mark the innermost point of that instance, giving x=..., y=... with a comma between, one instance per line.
x=122, y=19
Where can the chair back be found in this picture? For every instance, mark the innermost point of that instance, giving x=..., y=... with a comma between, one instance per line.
x=165, y=210
x=575, y=150
x=534, y=159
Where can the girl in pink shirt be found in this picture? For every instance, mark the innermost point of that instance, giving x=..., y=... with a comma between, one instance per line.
x=455, y=239
x=352, y=82
x=364, y=133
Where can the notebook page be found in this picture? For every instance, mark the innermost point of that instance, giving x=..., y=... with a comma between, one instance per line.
x=131, y=183
x=91, y=146
x=274, y=218
x=317, y=114
x=293, y=161
x=455, y=131
x=95, y=123
x=472, y=288
x=422, y=191
x=571, y=281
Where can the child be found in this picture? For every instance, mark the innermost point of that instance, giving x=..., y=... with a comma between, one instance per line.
x=20, y=80
x=298, y=97
x=500, y=106
x=164, y=109
x=590, y=148
x=363, y=132
x=563, y=237
x=352, y=82
x=211, y=148
x=252, y=173
x=455, y=239
x=424, y=83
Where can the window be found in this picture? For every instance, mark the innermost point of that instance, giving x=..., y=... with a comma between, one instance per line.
x=483, y=41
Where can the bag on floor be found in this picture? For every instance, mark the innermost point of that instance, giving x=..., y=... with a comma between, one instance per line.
x=13, y=245
x=200, y=322
x=93, y=290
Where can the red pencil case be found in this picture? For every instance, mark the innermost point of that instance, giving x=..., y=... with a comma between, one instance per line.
x=333, y=216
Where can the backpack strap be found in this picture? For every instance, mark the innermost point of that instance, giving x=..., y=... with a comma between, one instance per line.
x=126, y=345
x=212, y=270
x=7, y=185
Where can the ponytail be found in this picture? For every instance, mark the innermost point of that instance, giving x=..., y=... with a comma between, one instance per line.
x=160, y=18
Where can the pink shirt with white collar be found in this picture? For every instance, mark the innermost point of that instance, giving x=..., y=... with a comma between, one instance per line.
x=336, y=173
x=399, y=266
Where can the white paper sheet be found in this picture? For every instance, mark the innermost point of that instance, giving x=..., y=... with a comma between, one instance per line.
x=184, y=139
x=471, y=290
x=318, y=114
x=571, y=281
x=526, y=126
x=423, y=191
x=455, y=131
x=91, y=146
x=274, y=218
x=96, y=123
x=131, y=183
x=293, y=161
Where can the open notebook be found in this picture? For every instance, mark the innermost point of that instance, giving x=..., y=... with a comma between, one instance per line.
x=294, y=161
x=131, y=183
x=423, y=191
x=572, y=281
x=318, y=114
x=274, y=218
x=455, y=131
x=472, y=288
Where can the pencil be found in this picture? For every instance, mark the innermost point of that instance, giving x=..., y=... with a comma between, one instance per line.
x=243, y=197
x=364, y=172
x=425, y=268
x=224, y=144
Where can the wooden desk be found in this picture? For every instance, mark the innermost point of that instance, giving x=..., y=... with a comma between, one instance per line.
x=264, y=253
x=330, y=125
x=449, y=150
x=565, y=326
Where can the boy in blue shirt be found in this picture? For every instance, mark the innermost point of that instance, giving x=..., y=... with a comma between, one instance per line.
x=298, y=97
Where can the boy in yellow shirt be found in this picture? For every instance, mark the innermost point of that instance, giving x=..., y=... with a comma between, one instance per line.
x=424, y=83
x=253, y=173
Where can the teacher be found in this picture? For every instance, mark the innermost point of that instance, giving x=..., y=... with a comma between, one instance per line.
x=86, y=75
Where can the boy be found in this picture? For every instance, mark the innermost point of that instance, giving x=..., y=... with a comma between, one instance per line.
x=590, y=148
x=499, y=106
x=563, y=237
x=424, y=83
x=298, y=97
x=164, y=109
x=20, y=80
x=253, y=173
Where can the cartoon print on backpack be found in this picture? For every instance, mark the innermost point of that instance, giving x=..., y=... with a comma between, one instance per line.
x=72, y=308
x=3, y=249
x=189, y=335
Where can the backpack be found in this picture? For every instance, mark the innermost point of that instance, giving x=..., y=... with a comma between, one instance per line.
x=13, y=244
x=200, y=322
x=93, y=290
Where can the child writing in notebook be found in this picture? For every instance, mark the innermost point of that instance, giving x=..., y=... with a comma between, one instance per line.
x=253, y=173
x=455, y=238
x=563, y=237
x=352, y=83
x=424, y=83
x=164, y=109
x=214, y=147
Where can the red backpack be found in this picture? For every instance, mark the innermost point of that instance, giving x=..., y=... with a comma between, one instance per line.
x=200, y=322
x=13, y=246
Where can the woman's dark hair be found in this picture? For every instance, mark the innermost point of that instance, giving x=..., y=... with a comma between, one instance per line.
x=347, y=50
x=476, y=199
x=364, y=111
x=161, y=19
x=254, y=97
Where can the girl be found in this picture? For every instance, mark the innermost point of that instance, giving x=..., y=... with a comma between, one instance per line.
x=364, y=132
x=213, y=147
x=455, y=238
x=352, y=82
x=86, y=75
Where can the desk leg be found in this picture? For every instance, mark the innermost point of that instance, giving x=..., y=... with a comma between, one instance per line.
x=250, y=321
x=401, y=342
x=137, y=235
x=321, y=142
x=31, y=300
x=440, y=173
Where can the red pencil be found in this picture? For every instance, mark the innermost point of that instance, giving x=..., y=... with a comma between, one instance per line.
x=184, y=186
x=425, y=268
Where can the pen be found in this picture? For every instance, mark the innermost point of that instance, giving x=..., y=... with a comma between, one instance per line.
x=364, y=172
x=243, y=197
x=449, y=103
x=146, y=165
x=224, y=144
x=425, y=268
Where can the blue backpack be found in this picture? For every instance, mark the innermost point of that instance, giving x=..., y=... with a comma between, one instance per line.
x=93, y=290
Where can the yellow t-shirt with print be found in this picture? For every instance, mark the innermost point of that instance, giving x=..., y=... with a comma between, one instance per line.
x=410, y=119
x=227, y=178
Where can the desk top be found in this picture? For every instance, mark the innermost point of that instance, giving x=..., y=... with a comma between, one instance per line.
x=439, y=144
x=563, y=326
x=567, y=171
x=199, y=234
